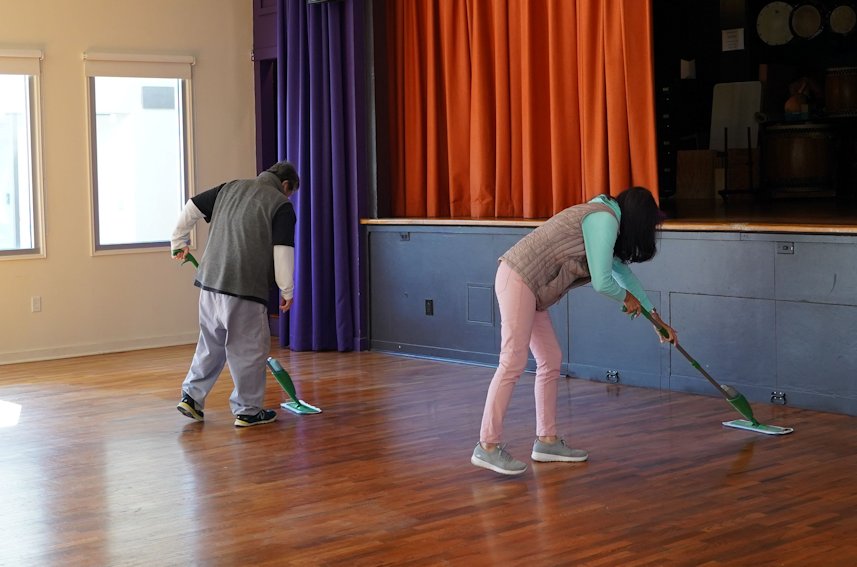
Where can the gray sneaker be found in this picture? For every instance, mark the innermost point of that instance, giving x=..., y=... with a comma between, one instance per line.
x=498, y=460
x=557, y=452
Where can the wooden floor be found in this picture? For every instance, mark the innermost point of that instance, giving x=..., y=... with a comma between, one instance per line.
x=101, y=470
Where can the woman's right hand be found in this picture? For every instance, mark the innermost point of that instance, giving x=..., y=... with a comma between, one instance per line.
x=658, y=323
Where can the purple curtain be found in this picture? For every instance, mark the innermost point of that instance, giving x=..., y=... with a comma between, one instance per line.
x=322, y=114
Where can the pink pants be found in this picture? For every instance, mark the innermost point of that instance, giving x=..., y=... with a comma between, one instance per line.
x=521, y=327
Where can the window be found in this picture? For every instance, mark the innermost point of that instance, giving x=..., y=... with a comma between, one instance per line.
x=20, y=171
x=139, y=124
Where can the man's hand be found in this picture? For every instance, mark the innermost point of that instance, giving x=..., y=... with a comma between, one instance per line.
x=285, y=304
x=180, y=253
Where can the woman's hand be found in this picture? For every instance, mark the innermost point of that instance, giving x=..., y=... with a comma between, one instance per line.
x=631, y=305
x=180, y=253
x=659, y=323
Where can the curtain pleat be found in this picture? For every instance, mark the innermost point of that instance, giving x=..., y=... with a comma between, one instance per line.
x=453, y=170
x=518, y=108
x=395, y=94
x=640, y=77
x=535, y=110
x=564, y=111
x=616, y=91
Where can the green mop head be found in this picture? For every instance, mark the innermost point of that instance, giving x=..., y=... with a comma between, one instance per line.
x=758, y=427
x=300, y=407
x=297, y=406
x=742, y=406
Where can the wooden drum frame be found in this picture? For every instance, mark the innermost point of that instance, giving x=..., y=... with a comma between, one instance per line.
x=840, y=91
x=800, y=159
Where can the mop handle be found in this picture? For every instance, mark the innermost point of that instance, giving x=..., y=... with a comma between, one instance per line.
x=689, y=358
x=188, y=257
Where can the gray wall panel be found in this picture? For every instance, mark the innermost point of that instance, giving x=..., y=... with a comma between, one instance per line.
x=480, y=304
x=711, y=267
x=817, y=350
x=731, y=338
x=818, y=272
x=455, y=272
x=399, y=304
x=602, y=337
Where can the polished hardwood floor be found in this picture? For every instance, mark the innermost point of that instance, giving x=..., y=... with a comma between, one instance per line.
x=97, y=468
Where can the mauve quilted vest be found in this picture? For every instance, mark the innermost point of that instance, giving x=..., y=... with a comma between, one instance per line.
x=552, y=258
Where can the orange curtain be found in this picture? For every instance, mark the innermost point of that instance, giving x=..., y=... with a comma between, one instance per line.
x=517, y=108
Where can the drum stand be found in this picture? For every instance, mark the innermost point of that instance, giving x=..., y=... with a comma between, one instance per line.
x=751, y=186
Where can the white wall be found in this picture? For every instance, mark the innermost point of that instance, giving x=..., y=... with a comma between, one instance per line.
x=93, y=304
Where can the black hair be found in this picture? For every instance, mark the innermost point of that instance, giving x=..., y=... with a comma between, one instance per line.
x=639, y=220
x=286, y=171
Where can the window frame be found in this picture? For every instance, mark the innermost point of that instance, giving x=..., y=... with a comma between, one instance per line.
x=27, y=62
x=97, y=64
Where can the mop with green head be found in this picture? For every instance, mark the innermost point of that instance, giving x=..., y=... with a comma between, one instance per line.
x=297, y=406
x=733, y=396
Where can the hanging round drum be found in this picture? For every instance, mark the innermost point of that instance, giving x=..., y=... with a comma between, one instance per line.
x=842, y=19
x=805, y=21
x=840, y=91
x=772, y=24
x=799, y=160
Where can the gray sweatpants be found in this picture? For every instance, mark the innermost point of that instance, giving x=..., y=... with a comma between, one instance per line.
x=232, y=331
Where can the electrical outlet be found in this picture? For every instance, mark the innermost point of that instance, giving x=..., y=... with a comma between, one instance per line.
x=429, y=307
x=36, y=303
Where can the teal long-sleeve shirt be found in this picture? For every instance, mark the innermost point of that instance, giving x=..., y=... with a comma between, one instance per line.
x=610, y=276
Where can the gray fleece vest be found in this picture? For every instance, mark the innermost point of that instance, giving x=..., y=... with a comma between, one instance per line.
x=552, y=258
x=239, y=256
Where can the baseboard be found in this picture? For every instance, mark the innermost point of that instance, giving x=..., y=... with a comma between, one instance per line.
x=450, y=355
x=437, y=353
x=74, y=351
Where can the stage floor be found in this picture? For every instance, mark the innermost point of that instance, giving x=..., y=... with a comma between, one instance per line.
x=744, y=213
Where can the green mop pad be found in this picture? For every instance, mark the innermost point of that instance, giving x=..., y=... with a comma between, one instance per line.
x=758, y=427
x=300, y=407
